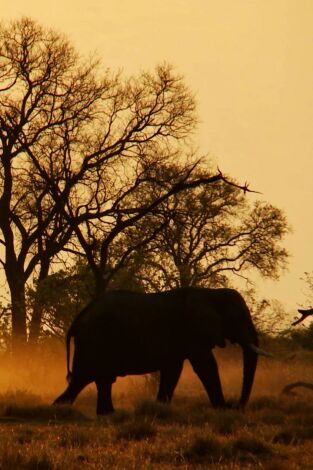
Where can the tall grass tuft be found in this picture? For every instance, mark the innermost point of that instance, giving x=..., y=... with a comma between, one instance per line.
x=205, y=450
x=21, y=397
x=267, y=402
x=44, y=413
x=25, y=436
x=11, y=459
x=154, y=409
x=137, y=430
x=293, y=435
x=75, y=438
x=227, y=422
x=246, y=446
x=118, y=417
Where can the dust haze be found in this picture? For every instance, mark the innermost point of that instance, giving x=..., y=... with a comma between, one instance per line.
x=40, y=377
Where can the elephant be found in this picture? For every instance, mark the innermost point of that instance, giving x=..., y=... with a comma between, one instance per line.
x=124, y=333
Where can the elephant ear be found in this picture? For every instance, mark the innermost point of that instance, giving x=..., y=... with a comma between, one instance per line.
x=205, y=328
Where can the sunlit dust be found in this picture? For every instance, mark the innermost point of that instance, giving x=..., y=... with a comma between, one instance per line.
x=43, y=376
x=274, y=433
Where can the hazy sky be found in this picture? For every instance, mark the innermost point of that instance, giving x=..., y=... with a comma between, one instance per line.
x=250, y=64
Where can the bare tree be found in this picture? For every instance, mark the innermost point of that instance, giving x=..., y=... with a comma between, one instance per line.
x=208, y=234
x=76, y=145
x=44, y=89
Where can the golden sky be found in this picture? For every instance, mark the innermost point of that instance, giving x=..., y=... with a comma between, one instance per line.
x=250, y=63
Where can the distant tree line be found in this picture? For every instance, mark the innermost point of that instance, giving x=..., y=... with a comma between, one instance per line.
x=100, y=187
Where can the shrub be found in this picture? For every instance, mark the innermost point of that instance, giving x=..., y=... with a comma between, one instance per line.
x=273, y=418
x=11, y=459
x=75, y=438
x=21, y=397
x=270, y=402
x=25, y=436
x=154, y=409
x=293, y=435
x=227, y=421
x=250, y=445
x=136, y=430
x=43, y=413
x=118, y=417
x=204, y=450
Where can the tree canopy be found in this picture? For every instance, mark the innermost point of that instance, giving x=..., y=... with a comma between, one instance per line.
x=208, y=237
x=88, y=156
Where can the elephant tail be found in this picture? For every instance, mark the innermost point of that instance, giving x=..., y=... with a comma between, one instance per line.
x=70, y=334
x=68, y=354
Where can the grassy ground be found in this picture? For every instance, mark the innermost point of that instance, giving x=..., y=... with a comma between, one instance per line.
x=275, y=432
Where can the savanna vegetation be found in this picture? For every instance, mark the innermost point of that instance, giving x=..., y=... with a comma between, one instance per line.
x=101, y=188
x=275, y=431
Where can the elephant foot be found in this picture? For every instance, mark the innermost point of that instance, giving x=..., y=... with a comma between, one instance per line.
x=221, y=406
x=62, y=400
x=104, y=406
x=105, y=411
x=229, y=405
x=232, y=405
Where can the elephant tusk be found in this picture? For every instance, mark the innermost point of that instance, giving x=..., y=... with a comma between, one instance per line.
x=260, y=351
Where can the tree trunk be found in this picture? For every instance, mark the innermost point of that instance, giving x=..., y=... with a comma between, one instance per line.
x=35, y=324
x=15, y=278
x=18, y=306
x=101, y=283
x=36, y=319
x=184, y=274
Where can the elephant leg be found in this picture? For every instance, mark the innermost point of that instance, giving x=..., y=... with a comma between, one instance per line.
x=205, y=366
x=70, y=394
x=169, y=376
x=104, y=399
x=250, y=359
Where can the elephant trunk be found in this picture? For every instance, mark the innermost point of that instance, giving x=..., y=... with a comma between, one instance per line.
x=250, y=359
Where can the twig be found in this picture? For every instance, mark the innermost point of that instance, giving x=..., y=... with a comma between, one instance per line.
x=287, y=389
x=305, y=314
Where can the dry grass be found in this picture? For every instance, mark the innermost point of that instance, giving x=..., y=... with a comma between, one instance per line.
x=275, y=432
